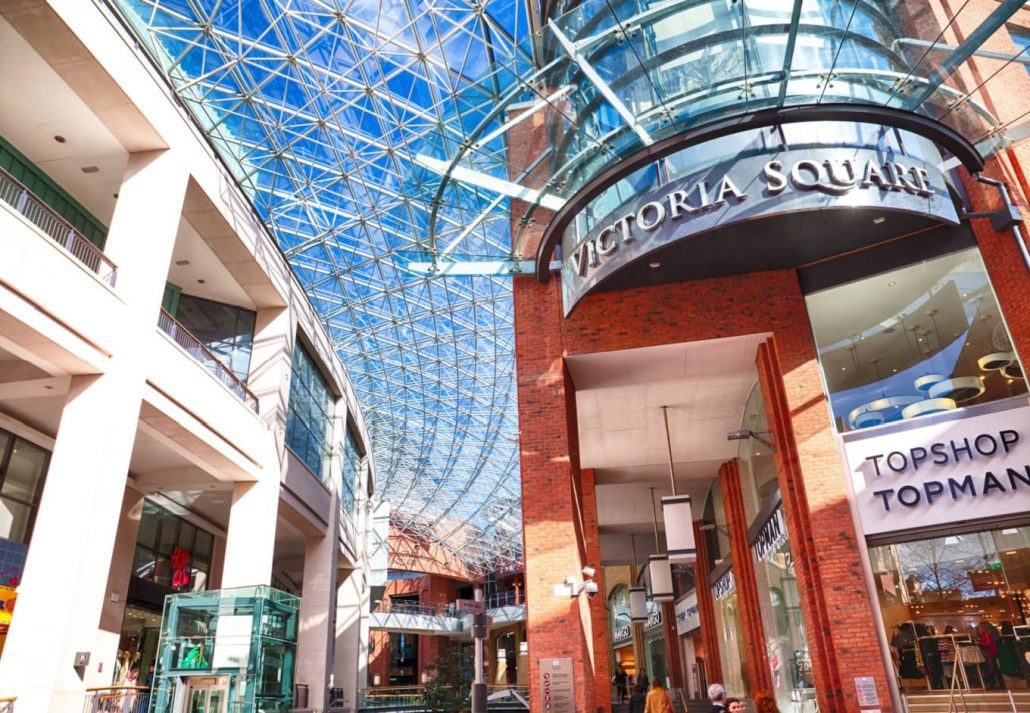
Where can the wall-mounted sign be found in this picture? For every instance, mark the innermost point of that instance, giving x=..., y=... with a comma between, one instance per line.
x=556, y=689
x=654, y=619
x=724, y=586
x=687, y=616
x=948, y=471
x=780, y=183
x=771, y=537
x=621, y=634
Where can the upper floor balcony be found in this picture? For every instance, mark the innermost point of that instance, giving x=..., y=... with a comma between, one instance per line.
x=36, y=211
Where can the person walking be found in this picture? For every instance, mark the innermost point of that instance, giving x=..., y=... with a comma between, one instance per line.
x=658, y=700
x=717, y=694
x=638, y=700
x=620, y=679
x=642, y=679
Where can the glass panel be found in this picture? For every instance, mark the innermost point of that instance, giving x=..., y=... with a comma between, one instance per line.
x=757, y=464
x=309, y=421
x=953, y=607
x=727, y=627
x=14, y=520
x=150, y=519
x=785, y=641
x=24, y=471
x=216, y=700
x=198, y=701
x=922, y=339
x=226, y=330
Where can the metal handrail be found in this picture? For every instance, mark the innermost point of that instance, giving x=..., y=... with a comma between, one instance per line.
x=406, y=607
x=120, y=699
x=36, y=211
x=196, y=349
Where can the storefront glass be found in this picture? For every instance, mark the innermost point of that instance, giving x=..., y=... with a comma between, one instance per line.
x=785, y=643
x=137, y=647
x=755, y=457
x=172, y=552
x=922, y=339
x=957, y=607
x=727, y=628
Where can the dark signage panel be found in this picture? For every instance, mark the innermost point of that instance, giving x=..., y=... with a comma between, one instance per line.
x=763, y=212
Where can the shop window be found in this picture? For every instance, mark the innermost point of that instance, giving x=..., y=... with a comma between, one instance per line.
x=172, y=552
x=922, y=339
x=353, y=458
x=226, y=331
x=23, y=469
x=727, y=630
x=309, y=420
x=956, y=607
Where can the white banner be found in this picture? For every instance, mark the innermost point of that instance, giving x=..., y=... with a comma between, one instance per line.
x=944, y=472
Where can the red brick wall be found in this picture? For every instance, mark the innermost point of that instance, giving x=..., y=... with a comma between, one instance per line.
x=768, y=302
x=598, y=612
x=756, y=667
x=557, y=627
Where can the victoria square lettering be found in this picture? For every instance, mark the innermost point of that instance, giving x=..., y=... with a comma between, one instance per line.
x=684, y=201
x=956, y=455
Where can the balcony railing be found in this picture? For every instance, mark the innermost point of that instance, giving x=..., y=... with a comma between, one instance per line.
x=196, y=349
x=116, y=699
x=43, y=217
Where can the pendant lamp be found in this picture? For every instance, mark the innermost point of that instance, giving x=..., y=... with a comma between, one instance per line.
x=676, y=512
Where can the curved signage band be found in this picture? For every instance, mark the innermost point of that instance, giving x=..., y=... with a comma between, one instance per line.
x=940, y=134
x=758, y=187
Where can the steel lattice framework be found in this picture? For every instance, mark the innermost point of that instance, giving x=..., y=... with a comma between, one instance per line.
x=318, y=108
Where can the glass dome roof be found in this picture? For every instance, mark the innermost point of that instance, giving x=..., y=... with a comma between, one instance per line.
x=318, y=108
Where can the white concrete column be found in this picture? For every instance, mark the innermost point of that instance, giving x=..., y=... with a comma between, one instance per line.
x=119, y=572
x=350, y=666
x=64, y=586
x=250, y=538
x=316, y=639
x=275, y=330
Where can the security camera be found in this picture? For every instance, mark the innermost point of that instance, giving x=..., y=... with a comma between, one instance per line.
x=590, y=587
x=588, y=571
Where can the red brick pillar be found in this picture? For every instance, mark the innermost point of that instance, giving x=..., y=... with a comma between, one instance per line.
x=706, y=606
x=835, y=601
x=756, y=669
x=598, y=611
x=1002, y=257
x=672, y=645
x=557, y=627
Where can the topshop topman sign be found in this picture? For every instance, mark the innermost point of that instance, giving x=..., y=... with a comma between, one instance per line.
x=947, y=471
x=755, y=187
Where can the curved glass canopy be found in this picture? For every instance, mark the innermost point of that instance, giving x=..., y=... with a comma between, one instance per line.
x=375, y=140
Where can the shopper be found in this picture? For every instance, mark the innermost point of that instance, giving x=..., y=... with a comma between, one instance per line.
x=765, y=703
x=642, y=679
x=717, y=694
x=620, y=679
x=638, y=701
x=987, y=639
x=658, y=700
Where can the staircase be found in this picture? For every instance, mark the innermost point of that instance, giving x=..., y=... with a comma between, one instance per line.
x=969, y=702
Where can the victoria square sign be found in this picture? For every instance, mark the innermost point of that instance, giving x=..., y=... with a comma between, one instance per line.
x=749, y=189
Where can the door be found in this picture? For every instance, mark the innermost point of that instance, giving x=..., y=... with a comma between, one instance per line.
x=207, y=694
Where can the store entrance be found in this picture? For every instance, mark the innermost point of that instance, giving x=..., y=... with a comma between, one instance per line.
x=207, y=694
x=956, y=609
